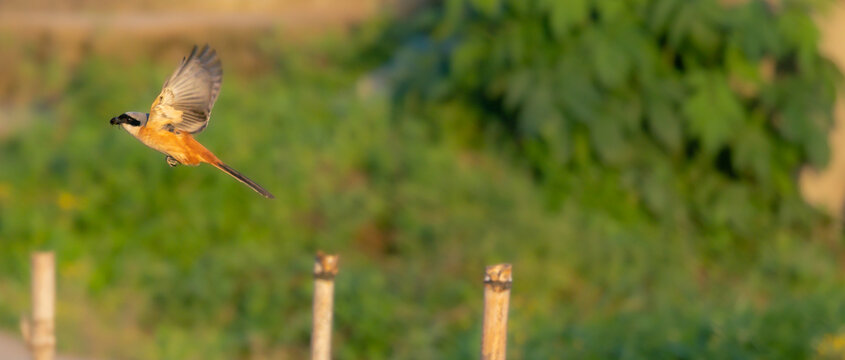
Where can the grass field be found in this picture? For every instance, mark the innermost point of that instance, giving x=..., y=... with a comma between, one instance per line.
x=186, y=263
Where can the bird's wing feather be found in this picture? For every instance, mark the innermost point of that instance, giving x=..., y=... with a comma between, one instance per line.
x=187, y=97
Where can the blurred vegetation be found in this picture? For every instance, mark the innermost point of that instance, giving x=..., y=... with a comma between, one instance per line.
x=628, y=240
x=696, y=111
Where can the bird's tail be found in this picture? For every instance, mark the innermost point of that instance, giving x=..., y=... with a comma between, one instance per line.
x=235, y=174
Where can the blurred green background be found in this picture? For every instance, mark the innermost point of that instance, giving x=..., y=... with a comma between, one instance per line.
x=635, y=160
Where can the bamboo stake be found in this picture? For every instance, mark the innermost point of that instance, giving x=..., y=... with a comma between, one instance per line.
x=38, y=329
x=325, y=269
x=497, y=290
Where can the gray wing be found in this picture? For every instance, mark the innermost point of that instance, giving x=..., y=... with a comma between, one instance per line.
x=191, y=90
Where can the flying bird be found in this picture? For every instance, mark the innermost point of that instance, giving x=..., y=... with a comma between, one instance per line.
x=181, y=110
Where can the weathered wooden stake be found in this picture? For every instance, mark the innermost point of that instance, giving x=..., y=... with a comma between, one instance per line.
x=497, y=291
x=38, y=329
x=325, y=269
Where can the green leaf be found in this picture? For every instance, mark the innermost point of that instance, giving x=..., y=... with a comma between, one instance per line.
x=556, y=134
x=538, y=109
x=611, y=63
x=487, y=7
x=752, y=153
x=733, y=207
x=563, y=15
x=704, y=36
x=466, y=59
x=815, y=144
x=742, y=71
x=608, y=140
x=520, y=7
x=518, y=86
x=712, y=111
x=611, y=11
x=664, y=122
x=574, y=89
x=656, y=185
x=798, y=29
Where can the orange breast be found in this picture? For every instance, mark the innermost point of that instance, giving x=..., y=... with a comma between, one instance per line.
x=181, y=147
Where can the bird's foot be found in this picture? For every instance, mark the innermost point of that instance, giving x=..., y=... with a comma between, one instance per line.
x=171, y=161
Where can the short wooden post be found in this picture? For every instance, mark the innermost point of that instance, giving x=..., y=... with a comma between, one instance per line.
x=497, y=290
x=325, y=269
x=38, y=330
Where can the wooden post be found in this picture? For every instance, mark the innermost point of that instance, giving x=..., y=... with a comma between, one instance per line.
x=38, y=329
x=325, y=269
x=497, y=290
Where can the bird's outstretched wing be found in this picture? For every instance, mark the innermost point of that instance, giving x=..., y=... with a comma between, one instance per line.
x=186, y=98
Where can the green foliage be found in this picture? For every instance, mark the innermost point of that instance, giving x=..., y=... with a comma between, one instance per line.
x=700, y=111
x=186, y=263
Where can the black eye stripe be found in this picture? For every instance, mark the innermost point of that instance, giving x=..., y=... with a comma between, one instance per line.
x=133, y=122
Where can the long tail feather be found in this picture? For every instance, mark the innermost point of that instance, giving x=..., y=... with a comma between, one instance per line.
x=235, y=174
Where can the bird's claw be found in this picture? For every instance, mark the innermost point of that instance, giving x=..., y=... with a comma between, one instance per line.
x=171, y=161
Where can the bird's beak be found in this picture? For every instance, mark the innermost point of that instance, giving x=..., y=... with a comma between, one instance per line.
x=114, y=121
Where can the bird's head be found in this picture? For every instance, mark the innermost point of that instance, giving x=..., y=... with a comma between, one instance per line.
x=130, y=121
